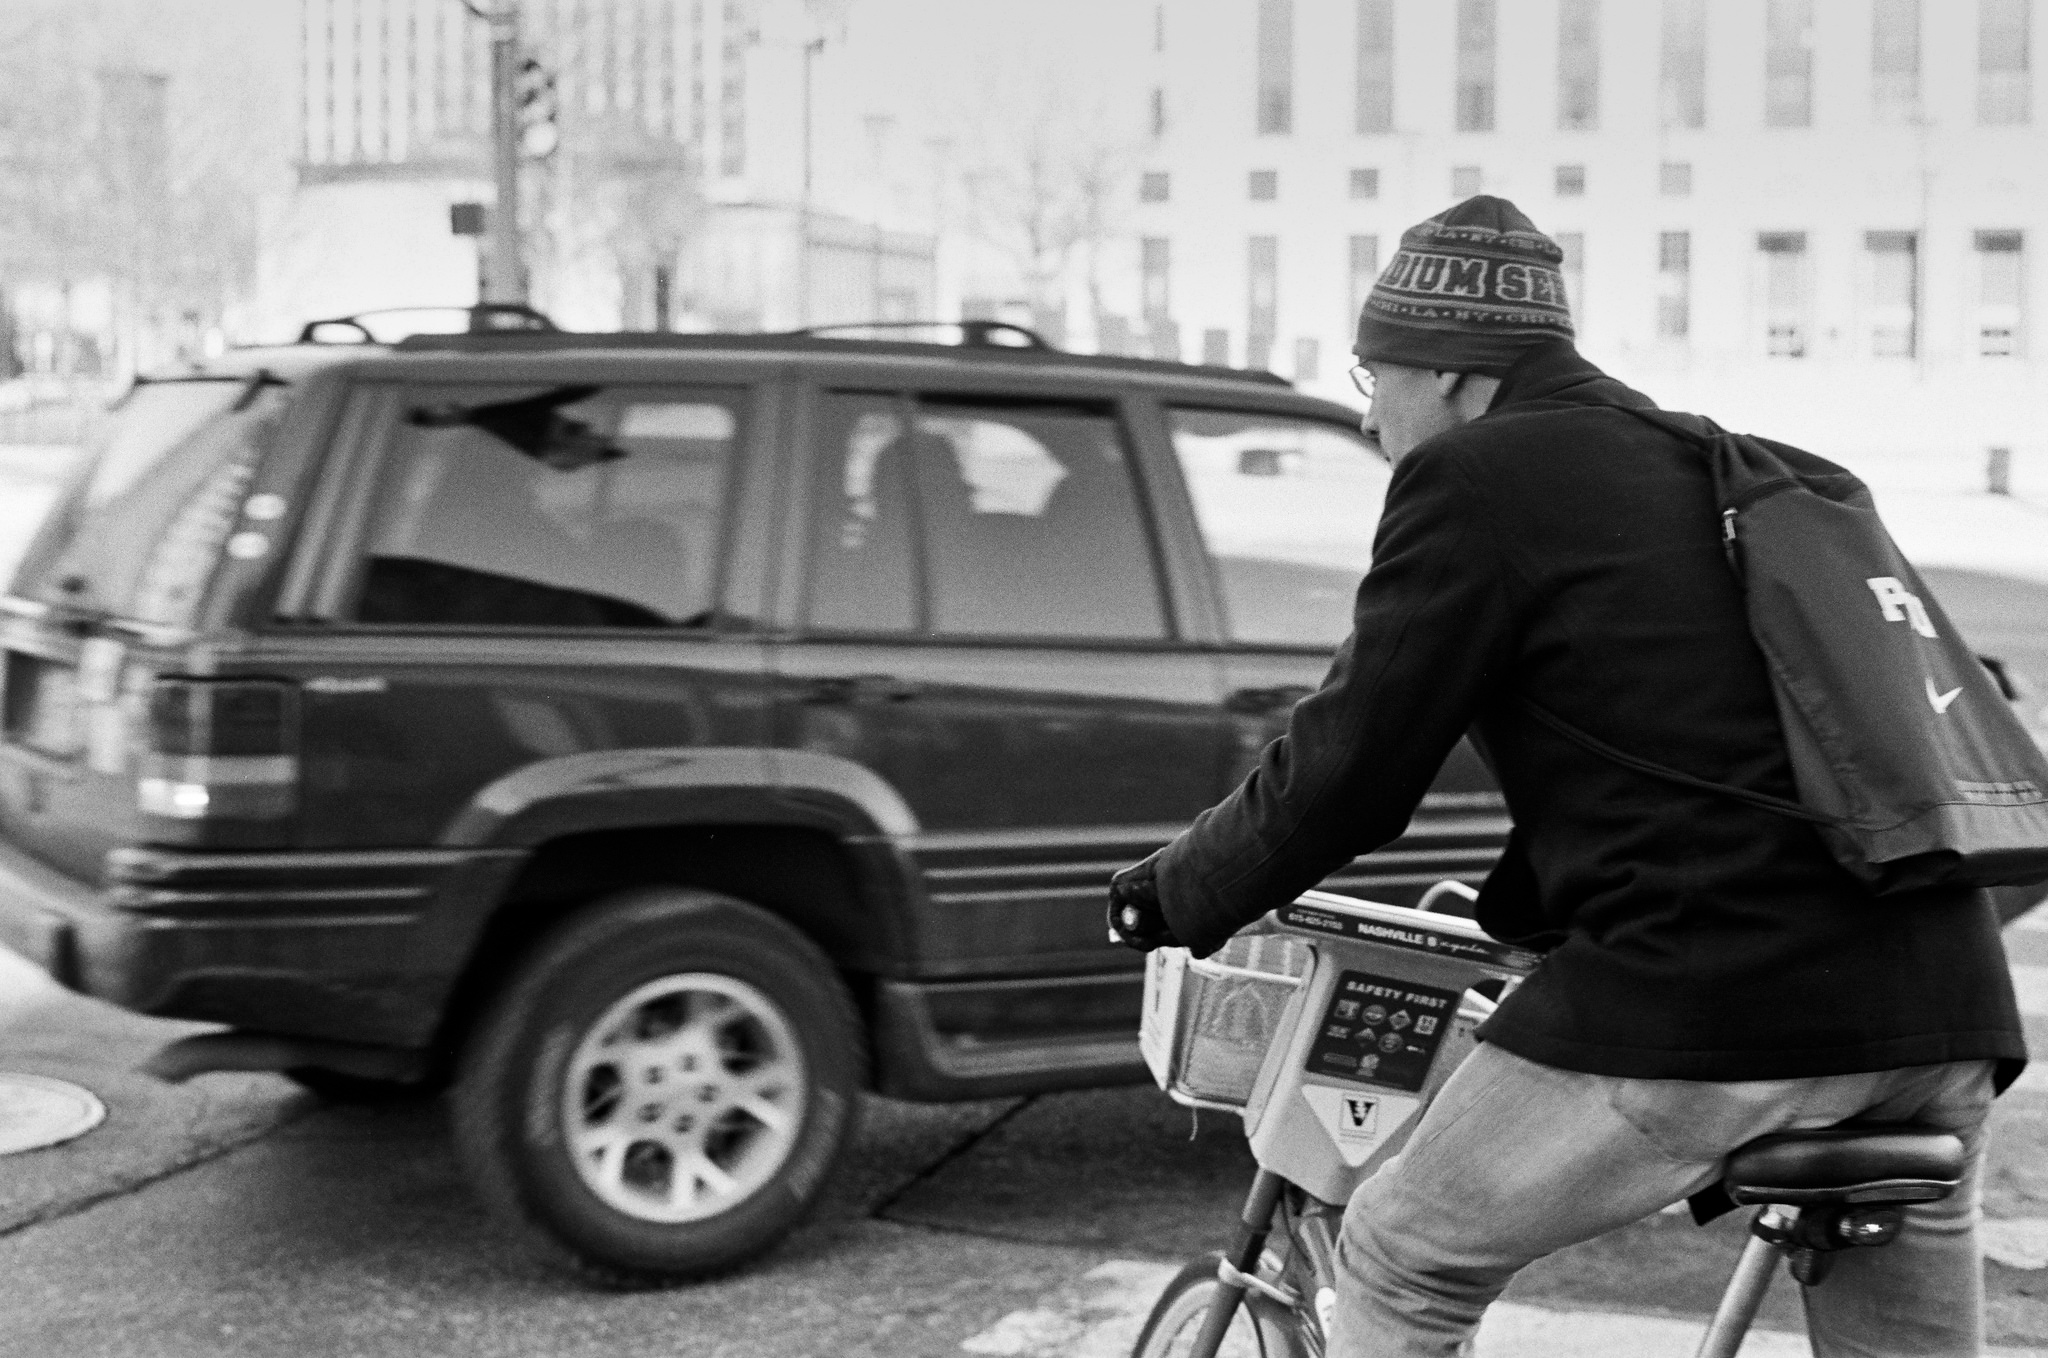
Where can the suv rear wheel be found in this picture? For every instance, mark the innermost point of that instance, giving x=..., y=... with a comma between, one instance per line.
x=661, y=1088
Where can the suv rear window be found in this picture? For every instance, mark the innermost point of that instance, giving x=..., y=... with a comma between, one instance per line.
x=139, y=532
x=1288, y=508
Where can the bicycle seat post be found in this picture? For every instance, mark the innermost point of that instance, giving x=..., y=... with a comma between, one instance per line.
x=1744, y=1295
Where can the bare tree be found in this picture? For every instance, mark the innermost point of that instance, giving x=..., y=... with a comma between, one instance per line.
x=1048, y=169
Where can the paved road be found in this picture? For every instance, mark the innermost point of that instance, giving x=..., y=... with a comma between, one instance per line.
x=237, y=1216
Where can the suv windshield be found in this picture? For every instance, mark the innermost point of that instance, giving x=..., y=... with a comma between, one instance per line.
x=139, y=531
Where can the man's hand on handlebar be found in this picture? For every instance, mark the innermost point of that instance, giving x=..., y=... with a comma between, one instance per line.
x=1135, y=917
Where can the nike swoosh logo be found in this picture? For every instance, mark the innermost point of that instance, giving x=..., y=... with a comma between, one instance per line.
x=1940, y=701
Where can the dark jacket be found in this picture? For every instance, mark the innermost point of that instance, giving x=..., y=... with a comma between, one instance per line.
x=1567, y=553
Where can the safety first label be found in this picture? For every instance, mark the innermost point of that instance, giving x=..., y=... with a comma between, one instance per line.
x=1381, y=1029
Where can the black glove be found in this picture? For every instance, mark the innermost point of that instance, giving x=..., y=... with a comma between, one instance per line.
x=1135, y=917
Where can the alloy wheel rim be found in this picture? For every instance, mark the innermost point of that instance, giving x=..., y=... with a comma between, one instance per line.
x=684, y=1098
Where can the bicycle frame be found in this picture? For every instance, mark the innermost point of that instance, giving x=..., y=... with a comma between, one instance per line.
x=1383, y=1014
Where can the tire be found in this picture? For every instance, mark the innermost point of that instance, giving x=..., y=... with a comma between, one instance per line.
x=746, y=1060
x=1261, y=1328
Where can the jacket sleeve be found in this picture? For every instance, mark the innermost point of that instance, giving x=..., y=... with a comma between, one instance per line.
x=1432, y=626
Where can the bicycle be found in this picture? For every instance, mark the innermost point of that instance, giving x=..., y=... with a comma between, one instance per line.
x=1331, y=1023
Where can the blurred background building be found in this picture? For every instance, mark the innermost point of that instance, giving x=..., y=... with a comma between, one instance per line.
x=1811, y=217
x=1817, y=218
x=674, y=194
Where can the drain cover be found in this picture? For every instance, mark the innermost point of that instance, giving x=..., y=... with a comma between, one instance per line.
x=37, y=1112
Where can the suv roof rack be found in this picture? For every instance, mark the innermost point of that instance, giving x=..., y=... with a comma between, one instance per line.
x=972, y=333
x=485, y=318
x=818, y=340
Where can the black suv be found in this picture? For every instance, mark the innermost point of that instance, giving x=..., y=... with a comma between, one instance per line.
x=664, y=738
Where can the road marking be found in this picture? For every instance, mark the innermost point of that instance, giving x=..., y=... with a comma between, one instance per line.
x=2031, y=985
x=1100, y=1315
x=1099, y=1318
x=2020, y=1243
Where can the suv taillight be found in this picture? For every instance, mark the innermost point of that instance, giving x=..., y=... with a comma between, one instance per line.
x=221, y=749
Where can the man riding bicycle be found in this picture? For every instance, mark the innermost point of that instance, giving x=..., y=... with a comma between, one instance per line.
x=1711, y=974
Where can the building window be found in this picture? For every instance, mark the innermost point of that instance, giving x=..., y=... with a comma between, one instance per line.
x=2002, y=66
x=1262, y=301
x=1365, y=183
x=1578, y=65
x=1894, y=292
x=1365, y=271
x=1674, y=179
x=1476, y=34
x=1787, y=292
x=2000, y=293
x=1788, y=63
x=1571, y=181
x=1276, y=66
x=1375, y=111
x=1154, y=186
x=1573, y=244
x=1465, y=181
x=1895, y=60
x=1264, y=185
x=1307, y=358
x=1155, y=271
x=1674, y=285
x=732, y=91
x=1682, y=64
x=1158, y=112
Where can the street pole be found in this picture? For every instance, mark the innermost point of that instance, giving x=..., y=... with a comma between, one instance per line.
x=505, y=279
x=803, y=216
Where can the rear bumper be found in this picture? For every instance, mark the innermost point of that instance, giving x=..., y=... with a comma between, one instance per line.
x=357, y=947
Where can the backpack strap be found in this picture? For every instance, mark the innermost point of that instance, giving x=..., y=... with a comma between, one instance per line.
x=1593, y=744
x=1677, y=424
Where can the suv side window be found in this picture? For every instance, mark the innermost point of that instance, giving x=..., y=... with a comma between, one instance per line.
x=575, y=506
x=1021, y=515
x=1287, y=509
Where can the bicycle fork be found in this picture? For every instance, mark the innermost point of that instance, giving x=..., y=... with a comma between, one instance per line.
x=1235, y=1275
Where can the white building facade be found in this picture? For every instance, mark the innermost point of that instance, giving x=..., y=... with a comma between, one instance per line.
x=677, y=198
x=1820, y=219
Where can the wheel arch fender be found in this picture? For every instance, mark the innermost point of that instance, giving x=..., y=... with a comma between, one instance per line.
x=699, y=785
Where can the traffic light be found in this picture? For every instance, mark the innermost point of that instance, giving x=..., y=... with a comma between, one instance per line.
x=537, y=108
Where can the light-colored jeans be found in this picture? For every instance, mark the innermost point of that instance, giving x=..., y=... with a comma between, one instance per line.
x=1514, y=1160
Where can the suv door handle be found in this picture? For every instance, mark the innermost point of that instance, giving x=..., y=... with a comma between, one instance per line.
x=859, y=688
x=1256, y=701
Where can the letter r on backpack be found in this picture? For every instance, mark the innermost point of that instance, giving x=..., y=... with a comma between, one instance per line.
x=1900, y=604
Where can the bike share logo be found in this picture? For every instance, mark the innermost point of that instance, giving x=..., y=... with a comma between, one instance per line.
x=1357, y=1116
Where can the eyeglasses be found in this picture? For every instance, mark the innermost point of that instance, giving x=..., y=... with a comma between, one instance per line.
x=1361, y=377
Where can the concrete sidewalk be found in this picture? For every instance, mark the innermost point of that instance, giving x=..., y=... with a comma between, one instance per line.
x=152, y=1129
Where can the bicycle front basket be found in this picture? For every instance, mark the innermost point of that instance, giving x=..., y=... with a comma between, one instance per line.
x=1209, y=1021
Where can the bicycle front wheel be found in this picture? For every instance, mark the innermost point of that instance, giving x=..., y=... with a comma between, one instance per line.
x=1260, y=1329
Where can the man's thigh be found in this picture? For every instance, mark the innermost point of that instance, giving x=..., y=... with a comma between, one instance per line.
x=1514, y=1160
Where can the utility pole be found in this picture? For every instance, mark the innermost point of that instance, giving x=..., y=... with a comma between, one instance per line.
x=811, y=49
x=505, y=278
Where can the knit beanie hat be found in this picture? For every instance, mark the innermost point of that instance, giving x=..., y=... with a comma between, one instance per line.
x=1469, y=291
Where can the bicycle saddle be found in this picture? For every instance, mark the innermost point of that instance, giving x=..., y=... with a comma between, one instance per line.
x=1843, y=1165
